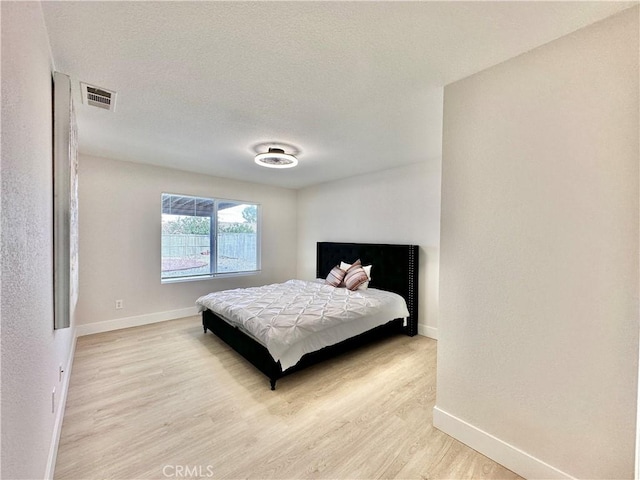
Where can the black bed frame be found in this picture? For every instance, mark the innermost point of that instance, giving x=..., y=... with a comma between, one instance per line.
x=395, y=268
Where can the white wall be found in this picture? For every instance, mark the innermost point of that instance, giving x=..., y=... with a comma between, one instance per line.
x=120, y=226
x=538, y=335
x=400, y=205
x=31, y=349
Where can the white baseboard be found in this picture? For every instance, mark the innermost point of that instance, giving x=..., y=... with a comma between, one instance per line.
x=427, y=331
x=126, y=322
x=505, y=454
x=62, y=402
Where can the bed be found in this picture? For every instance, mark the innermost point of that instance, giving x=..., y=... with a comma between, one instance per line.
x=394, y=273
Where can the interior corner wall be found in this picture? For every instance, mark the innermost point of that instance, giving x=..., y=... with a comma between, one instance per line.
x=399, y=205
x=32, y=350
x=538, y=338
x=120, y=230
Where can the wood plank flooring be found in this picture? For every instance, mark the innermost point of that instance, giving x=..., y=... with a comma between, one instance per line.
x=168, y=401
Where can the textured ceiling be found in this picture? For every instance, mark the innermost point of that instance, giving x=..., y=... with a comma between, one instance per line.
x=356, y=86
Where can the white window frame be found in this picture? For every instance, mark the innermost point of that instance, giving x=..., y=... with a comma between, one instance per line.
x=213, y=233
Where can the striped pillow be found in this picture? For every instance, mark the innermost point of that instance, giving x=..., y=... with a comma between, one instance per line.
x=335, y=277
x=367, y=269
x=355, y=277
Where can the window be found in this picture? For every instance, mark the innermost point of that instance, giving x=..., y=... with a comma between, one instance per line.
x=204, y=237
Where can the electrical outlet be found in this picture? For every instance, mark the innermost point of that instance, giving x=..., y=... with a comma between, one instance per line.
x=53, y=400
x=119, y=304
x=60, y=372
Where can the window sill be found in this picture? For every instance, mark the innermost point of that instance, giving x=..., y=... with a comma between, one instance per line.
x=200, y=278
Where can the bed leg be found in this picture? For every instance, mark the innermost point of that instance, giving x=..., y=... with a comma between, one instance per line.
x=204, y=328
x=273, y=384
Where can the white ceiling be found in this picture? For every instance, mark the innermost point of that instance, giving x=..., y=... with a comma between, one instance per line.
x=356, y=86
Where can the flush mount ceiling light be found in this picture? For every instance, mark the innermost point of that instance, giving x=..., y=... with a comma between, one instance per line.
x=276, y=158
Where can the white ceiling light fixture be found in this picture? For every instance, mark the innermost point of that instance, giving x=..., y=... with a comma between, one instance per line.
x=276, y=158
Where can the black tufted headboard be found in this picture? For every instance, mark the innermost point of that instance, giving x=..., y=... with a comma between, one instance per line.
x=395, y=268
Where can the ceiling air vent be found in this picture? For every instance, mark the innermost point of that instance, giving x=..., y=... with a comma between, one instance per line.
x=98, y=97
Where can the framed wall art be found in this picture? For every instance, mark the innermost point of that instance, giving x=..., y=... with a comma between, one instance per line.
x=65, y=203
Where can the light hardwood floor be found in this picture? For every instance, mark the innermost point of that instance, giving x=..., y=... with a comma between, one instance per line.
x=167, y=401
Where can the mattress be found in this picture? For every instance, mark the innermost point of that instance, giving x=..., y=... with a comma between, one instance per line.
x=297, y=317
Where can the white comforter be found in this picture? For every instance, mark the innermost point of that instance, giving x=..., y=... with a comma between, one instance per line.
x=298, y=317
